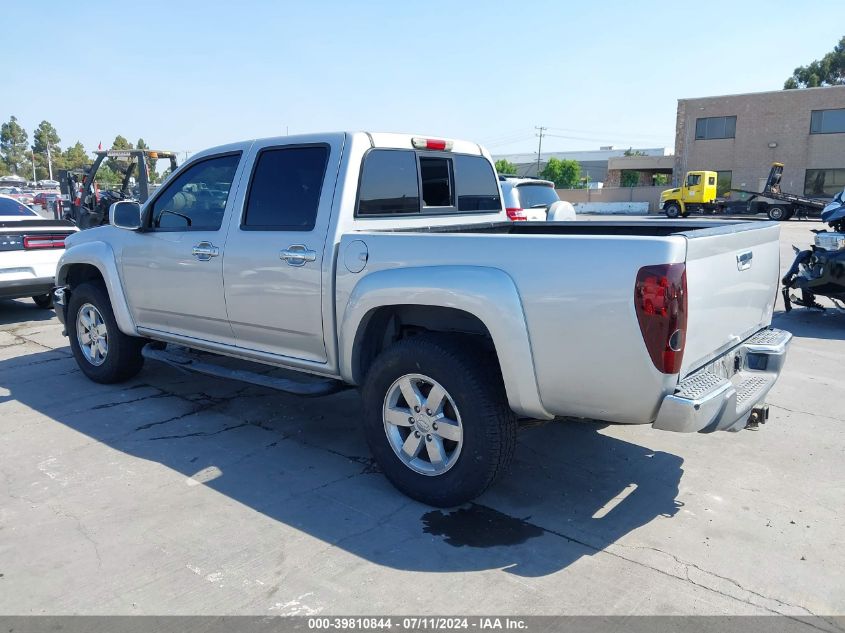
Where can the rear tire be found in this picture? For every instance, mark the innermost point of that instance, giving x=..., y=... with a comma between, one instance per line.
x=778, y=213
x=103, y=353
x=454, y=462
x=44, y=301
x=672, y=210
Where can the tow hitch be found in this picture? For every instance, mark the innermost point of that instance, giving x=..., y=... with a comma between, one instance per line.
x=759, y=415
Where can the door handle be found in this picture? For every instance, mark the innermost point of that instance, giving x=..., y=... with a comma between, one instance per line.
x=205, y=251
x=743, y=260
x=298, y=255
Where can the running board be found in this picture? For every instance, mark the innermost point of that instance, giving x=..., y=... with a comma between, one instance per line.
x=187, y=362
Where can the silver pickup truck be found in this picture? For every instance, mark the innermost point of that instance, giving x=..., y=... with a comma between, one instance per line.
x=387, y=262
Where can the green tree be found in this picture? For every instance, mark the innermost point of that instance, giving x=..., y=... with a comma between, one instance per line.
x=565, y=173
x=505, y=167
x=46, y=139
x=14, y=149
x=75, y=157
x=630, y=178
x=827, y=71
x=115, y=165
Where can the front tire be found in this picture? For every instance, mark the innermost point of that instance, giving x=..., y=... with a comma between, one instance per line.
x=103, y=353
x=44, y=302
x=437, y=419
x=672, y=210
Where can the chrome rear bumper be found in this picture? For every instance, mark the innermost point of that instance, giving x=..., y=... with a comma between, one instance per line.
x=722, y=395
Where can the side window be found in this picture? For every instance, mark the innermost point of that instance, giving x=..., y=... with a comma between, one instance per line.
x=476, y=184
x=284, y=194
x=711, y=180
x=389, y=183
x=196, y=199
x=436, y=182
x=693, y=180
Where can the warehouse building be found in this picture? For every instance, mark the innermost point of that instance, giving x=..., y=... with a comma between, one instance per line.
x=594, y=163
x=740, y=136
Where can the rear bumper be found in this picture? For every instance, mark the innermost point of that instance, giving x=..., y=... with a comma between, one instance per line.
x=26, y=287
x=722, y=395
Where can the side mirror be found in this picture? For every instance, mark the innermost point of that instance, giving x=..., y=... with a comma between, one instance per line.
x=125, y=214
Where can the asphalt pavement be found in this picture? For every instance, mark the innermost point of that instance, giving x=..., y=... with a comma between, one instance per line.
x=183, y=494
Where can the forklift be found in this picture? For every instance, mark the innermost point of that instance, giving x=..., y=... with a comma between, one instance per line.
x=89, y=207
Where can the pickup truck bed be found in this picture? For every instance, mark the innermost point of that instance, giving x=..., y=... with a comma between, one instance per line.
x=387, y=262
x=574, y=285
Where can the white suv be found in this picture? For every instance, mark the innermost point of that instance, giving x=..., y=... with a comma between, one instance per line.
x=531, y=199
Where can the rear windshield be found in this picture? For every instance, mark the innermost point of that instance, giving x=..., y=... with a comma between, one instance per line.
x=536, y=196
x=395, y=182
x=8, y=206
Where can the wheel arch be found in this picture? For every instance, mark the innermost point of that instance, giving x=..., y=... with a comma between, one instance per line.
x=95, y=261
x=387, y=305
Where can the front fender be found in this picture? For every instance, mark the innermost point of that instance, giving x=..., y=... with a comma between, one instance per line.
x=487, y=293
x=101, y=256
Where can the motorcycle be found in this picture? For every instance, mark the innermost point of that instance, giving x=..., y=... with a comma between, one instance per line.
x=820, y=271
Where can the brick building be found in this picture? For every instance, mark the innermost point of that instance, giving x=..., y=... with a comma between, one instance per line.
x=740, y=136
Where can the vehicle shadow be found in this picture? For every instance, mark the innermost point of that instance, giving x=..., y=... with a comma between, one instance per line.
x=19, y=311
x=808, y=323
x=571, y=492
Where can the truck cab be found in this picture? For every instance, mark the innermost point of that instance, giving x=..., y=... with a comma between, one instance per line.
x=697, y=193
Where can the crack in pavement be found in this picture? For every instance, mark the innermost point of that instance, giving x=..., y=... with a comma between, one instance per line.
x=687, y=566
x=810, y=413
x=209, y=434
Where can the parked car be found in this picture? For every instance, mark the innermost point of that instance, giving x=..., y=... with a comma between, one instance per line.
x=47, y=200
x=347, y=256
x=30, y=247
x=531, y=199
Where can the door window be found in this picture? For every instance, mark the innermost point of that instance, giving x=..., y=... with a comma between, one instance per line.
x=196, y=199
x=284, y=194
x=693, y=180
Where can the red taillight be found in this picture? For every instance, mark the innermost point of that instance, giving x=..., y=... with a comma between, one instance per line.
x=660, y=301
x=431, y=143
x=516, y=214
x=43, y=241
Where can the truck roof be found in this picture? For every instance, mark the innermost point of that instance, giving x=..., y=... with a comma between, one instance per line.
x=386, y=140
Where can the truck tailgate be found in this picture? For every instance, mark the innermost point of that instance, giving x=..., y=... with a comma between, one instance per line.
x=732, y=281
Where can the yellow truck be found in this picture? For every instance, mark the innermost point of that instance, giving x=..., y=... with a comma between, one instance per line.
x=698, y=193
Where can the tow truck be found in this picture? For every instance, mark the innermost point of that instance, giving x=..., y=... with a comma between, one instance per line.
x=89, y=206
x=698, y=194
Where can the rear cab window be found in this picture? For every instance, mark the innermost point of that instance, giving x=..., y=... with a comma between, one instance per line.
x=406, y=182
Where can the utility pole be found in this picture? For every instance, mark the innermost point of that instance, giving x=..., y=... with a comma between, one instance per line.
x=539, y=147
x=33, y=164
x=49, y=161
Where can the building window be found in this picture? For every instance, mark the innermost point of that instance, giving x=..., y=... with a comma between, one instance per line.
x=715, y=127
x=723, y=182
x=827, y=121
x=824, y=182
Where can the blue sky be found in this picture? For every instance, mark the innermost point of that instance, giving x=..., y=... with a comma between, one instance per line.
x=186, y=75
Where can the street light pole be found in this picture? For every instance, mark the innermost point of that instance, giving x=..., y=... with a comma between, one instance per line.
x=49, y=162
